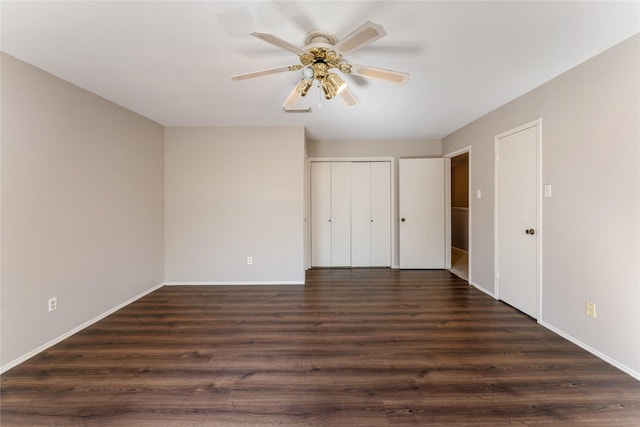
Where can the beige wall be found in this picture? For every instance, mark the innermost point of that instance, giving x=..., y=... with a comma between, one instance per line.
x=591, y=226
x=82, y=207
x=396, y=149
x=233, y=193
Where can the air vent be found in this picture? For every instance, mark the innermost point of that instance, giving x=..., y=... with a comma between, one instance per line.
x=296, y=109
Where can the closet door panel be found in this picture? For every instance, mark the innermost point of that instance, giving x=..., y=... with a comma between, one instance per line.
x=320, y=214
x=340, y=214
x=380, y=214
x=360, y=214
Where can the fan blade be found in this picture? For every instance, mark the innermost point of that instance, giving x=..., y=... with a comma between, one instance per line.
x=380, y=73
x=349, y=97
x=262, y=73
x=277, y=41
x=360, y=37
x=292, y=99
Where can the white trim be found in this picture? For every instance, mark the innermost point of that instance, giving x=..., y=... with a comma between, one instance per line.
x=351, y=159
x=609, y=360
x=75, y=330
x=394, y=204
x=539, y=230
x=447, y=190
x=457, y=152
x=520, y=128
x=481, y=289
x=538, y=125
x=447, y=213
x=235, y=283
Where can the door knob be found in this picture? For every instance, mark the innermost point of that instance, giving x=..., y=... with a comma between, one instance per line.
x=530, y=231
x=402, y=220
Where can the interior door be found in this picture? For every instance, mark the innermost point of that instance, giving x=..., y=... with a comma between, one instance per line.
x=422, y=217
x=517, y=218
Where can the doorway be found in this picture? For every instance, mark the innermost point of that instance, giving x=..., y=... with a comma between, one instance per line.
x=460, y=215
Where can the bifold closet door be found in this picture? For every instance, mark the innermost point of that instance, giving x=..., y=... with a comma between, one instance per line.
x=380, y=214
x=361, y=214
x=370, y=214
x=350, y=214
x=321, y=214
x=340, y=214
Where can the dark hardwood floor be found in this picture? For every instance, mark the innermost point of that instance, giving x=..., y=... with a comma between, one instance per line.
x=361, y=347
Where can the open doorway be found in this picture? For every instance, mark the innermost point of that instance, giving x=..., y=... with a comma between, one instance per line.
x=460, y=215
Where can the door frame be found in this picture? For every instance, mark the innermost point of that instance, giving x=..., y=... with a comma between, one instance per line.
x=393, y=201
x=538, y=124
x=447, y=213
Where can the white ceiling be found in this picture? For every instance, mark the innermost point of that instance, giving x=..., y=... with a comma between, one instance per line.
x=172, y=61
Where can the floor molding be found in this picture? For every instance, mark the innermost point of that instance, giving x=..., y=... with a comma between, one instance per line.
x=235, y=283
x=75, y=330
x=481, y=289
x=592, y=350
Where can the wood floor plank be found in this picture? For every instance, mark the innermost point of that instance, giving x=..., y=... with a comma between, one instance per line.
x=354, y=347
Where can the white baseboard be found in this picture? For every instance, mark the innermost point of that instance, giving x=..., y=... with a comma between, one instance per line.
x=234, y=283
x=29, y=355
x=481, y=289
x=592, y=350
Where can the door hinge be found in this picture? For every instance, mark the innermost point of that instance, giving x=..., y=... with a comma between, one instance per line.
x=497, y=275
x=497, y=157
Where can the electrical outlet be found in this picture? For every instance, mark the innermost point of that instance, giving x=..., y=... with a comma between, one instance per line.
x=249, y=260
x=590, y=309
x=53, y=304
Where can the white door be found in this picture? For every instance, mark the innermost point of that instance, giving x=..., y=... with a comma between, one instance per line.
x=380, y=214
x=321, y=214
x=421, y=206
x=350, y=214
x=340, y=214
x=517, y=218
x=360, y=214
x=370, y=214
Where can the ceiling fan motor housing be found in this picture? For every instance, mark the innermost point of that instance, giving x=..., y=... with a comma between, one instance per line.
x=319, y=37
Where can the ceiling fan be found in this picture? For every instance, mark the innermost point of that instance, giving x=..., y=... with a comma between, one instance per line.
x=321, y=55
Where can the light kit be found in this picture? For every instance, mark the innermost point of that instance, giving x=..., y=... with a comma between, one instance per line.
x=316, y=65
